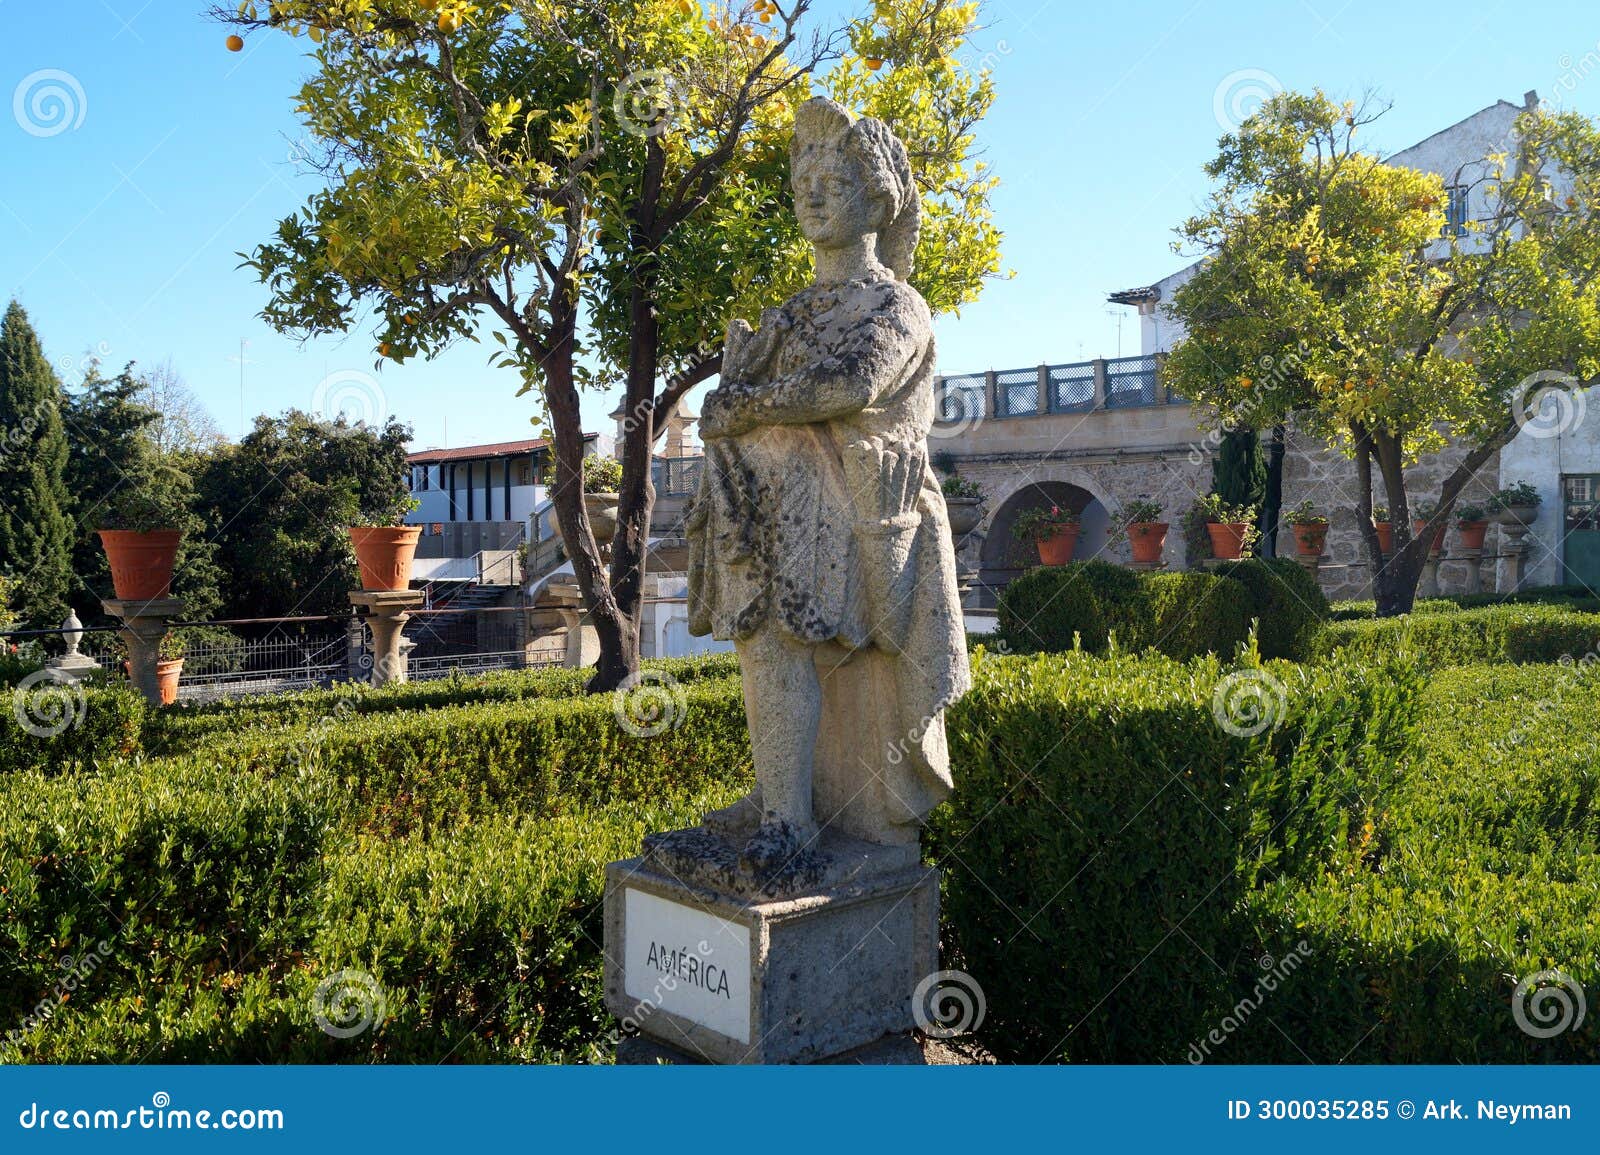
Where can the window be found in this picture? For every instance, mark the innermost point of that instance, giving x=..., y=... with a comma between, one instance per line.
x=525, y=473
x=1455, y=211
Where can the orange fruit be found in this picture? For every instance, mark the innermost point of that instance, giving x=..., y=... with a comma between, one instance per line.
x=873, y=63
x=234, y=43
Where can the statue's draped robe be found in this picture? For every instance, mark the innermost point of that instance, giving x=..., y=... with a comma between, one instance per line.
x=826, y=523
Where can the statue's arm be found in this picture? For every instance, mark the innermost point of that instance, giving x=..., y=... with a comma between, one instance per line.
x=837, y=384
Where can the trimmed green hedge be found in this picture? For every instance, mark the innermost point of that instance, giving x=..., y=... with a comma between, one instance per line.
x=1085, y=605
x=1286, y=602
x=187, y=727
x=58, y=729
x=1105, y=829
x=1515, y=633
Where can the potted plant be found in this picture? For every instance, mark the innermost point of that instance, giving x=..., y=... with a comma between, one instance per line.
x=963, y=499
x=1232, y=527
x=139, y=532
x=602, y=478
x=1424, y=514
x=386, y=547
x=1053, y=530
x=1472, y=522
x=1516, y=504
x=1140, y=522
x=1310, y=529
x=1384, y=528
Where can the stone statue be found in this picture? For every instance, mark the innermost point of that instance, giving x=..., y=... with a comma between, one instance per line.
x=818, y=540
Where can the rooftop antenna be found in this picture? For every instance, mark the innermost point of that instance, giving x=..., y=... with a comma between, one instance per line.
x=1119, y=314
x=243, y=361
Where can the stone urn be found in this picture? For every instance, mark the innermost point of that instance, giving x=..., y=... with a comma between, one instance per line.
x=966, y=513
x=1517, y=515
x=602, y=511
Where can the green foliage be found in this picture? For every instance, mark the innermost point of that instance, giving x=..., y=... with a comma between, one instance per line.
x=1507, y=633
x=281, y=499
x=601, y=474
x=1191, y=614
x=1041, y=524
x=1099, y=806
x=1305, y=514
x=1182, y=615
x=1285, y=600
x=63, y=729
x=35, y=522
x=955, y=485
x=1058, y=608
x=1521, y=494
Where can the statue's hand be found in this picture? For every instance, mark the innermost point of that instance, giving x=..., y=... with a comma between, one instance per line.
x=722, y=414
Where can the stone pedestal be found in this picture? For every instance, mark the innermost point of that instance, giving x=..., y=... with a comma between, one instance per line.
x=713, y=962
x=583, y=642
x=1147, y=566
x=385, y=613
x=144, y=625
x=71, y=667
x=1474, y=560
x=1429, y=587
x=1310, y=562
x=1515, y=545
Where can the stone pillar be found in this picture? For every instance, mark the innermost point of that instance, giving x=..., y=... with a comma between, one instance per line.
x=1044, y=390
x=1474, y=560
x=144, y=624
x=1162, y=395
x=355, y=648
x=1429, y=587
x=991, y=396
x=1100, y=382
x=1311, y=563
x=385, y=613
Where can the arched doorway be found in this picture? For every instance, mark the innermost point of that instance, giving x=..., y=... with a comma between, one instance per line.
x=1006, y=558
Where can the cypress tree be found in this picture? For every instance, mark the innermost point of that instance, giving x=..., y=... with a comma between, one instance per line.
x=35, y=526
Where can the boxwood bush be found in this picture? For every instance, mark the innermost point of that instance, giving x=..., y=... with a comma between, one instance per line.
x=1105, y=828
x=1514, y=633
x=1286, y=602
x=57, y=729
x=1087, y=605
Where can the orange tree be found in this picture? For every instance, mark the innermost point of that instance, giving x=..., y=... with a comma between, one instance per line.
x=1329, y=294
x=598, y=188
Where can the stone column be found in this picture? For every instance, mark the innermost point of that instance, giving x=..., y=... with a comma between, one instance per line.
x=385, y=613
x=991, y=395
x=1474, y=560
x=1100, y=382
x=1429, y=588
x=144, y=624
x=355, y=647
x=1044, y=391
x=1311, y=563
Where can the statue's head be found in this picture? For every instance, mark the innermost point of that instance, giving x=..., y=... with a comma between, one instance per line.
x=852, y=178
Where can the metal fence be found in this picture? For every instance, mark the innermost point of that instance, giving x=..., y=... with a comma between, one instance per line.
x=1129, y=382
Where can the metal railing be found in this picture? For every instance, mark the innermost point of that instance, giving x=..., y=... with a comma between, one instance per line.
x=676, y=476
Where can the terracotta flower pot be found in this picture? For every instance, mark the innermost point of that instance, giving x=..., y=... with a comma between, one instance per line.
x=141, y=561
x=1385, y=532
x=1146, y=539
x=965, y=514
x=1058, y=548
x=167, y=675
x=1472, y=533
x=385, y=554
x=1438, y=537
x=602, y=511
x=1311, y=538
x=1227, y=539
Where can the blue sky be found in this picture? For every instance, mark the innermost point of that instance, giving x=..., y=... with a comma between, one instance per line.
x=119, y=224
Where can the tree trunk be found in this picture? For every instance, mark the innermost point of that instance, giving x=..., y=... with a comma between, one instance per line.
x=615, y=632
